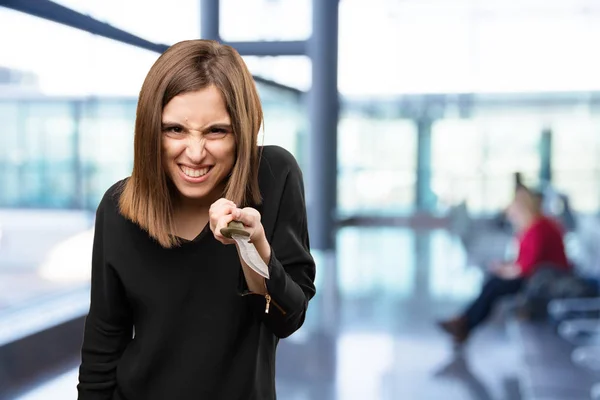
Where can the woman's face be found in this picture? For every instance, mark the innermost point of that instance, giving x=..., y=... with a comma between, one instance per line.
x=198, y=144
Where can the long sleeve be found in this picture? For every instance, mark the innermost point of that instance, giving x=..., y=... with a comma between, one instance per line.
x=291, y=267
x=530, y=252
x=108, y=326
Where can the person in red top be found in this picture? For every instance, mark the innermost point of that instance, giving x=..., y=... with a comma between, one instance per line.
x=540, y=245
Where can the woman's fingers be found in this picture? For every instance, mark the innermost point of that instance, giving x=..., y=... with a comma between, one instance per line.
x=222, y=223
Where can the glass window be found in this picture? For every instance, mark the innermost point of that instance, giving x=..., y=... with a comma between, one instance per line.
x=11, y=156
x=38, y=159
x=293, y=71
x=64, y=153
x=158, y=22
x=476, y=159
x=62, y=61
x=48, y=148
x=255, y=20
x=449, y=47
x=456, y=162
x=424, y=39
x=106, y=148
x=377, y=164
x=284, y=120
x=561, y=35
x=576, y=160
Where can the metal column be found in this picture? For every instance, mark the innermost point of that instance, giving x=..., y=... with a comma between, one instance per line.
x=323, y=109
x=81, y=195
x=424, y=194
x=546, y=157
x=209, y=19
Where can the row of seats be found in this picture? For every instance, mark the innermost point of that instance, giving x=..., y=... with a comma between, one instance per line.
x=561, y=353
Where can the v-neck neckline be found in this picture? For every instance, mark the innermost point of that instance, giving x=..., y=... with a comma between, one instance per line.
x=198, y=237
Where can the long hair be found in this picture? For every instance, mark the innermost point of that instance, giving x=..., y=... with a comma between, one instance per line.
x=147, y=197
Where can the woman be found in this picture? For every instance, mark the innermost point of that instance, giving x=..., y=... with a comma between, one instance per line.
x=175, y=312
x=540, y=244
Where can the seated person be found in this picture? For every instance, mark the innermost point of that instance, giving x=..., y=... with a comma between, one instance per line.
x=540, y=243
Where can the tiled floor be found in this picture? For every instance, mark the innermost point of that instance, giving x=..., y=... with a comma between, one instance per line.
x=61, y=387
x=375, y=337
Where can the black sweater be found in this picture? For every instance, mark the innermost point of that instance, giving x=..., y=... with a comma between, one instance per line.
x=178, y=324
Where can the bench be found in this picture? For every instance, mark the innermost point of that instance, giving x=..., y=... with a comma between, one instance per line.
x=548, y=372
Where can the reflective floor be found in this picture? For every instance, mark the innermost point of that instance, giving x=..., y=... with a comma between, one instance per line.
x=374, y=337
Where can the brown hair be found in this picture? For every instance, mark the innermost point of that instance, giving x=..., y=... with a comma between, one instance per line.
x=188, y=66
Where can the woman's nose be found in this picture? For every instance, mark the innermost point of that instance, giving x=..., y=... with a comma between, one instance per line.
x=195, y=147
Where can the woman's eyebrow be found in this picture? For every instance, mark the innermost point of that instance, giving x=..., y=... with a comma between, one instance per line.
x=219, y=126
x=171, y=123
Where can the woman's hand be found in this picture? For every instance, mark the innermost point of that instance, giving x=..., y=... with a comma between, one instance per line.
x=223, y=211
x=220, y=214
x=507, y=271
x=251, y=219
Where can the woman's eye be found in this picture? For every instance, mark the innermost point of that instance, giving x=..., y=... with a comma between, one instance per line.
x=173, y=130
x=217, y=132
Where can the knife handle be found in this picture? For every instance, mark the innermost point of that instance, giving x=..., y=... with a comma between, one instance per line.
x=234, y=228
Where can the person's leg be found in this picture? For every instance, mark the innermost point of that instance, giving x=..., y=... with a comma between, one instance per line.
x=492, y=291
x=479, y=310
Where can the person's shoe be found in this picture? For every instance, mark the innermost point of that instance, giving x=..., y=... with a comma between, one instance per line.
x=523, y=313
x=457, y=327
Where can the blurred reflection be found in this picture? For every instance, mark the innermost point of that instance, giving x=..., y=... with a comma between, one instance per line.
x=376, y=262
x=458, y=368
x=68, y=261
x=449, y=261
x=363, y=358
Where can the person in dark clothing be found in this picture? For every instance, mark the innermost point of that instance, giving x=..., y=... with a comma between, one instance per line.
x=540, y=243
x=175, y=311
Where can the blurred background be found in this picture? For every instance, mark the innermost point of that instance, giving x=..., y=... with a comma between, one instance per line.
x=409, y=119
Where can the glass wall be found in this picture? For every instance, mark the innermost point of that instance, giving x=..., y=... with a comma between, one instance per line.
x=255, y=20
x=377, y=165
x=576, y=158
x=64, y=154
x=477, y=145
x=153, y=21
x=475, y=159
x=439, y=46
x=293, y=71
x=56, y=60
